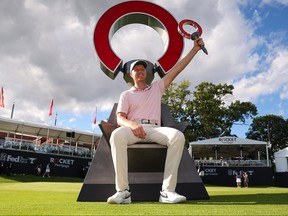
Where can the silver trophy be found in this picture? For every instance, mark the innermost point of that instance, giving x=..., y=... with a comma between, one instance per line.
x=194, y=35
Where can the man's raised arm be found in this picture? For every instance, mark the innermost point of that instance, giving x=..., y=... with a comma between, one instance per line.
x=168, y=78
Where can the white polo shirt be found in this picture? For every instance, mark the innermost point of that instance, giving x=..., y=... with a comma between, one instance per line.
x=142, y=104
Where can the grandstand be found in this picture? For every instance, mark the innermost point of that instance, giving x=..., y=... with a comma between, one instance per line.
x=220, y=159
x=25, y=144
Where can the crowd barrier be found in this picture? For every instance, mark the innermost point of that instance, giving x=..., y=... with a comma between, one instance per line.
x=27, y=145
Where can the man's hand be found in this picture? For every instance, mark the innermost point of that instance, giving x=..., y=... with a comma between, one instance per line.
x=198, y=43
x=138, y=130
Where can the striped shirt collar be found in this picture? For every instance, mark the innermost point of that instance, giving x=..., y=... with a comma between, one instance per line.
x=133, y=88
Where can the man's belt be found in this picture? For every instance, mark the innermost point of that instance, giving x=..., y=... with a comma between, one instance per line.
x=147, y=121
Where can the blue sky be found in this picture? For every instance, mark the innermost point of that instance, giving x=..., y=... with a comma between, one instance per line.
x=47, y=52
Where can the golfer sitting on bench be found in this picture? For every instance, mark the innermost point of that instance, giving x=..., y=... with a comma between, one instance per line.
x=138, y=114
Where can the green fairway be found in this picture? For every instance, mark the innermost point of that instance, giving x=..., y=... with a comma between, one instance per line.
x=54, y=196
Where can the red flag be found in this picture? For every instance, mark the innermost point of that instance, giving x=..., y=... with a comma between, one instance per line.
x=95, y=116
x=2, y=97
x=51, y=107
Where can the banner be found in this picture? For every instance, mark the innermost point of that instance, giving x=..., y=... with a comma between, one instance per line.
x=95, y=116
x=2, y=98
x=51, y=108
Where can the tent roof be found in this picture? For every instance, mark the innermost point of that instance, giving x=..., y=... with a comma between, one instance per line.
x=228, y=141
x=281, y=153
x=32, y=129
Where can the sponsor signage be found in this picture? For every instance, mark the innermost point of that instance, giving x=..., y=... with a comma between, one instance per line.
x=258, y=176
x=227, y=140
x=230, y=172
x=17, y=159
x=62, y=162
x=23, y=162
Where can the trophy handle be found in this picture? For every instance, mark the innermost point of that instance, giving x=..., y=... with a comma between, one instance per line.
x=194, y=35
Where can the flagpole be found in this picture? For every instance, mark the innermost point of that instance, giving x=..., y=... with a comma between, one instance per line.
x=12, y=110
x=48, y=133
x=55, y=121
x=92, y=146
x=49, y=114
x=94, y=123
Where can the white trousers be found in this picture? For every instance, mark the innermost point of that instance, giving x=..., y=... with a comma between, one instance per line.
x=170, y=137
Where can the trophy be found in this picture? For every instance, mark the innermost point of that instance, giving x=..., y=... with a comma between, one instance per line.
x=194, y=35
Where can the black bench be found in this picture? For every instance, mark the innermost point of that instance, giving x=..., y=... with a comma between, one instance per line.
x=145, y=175
x=144, y=156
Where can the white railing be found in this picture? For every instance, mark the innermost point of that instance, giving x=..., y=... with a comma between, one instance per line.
x=241, y=163
x=28, y=145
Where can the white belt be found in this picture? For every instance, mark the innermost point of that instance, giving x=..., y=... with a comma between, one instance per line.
x=147, y=121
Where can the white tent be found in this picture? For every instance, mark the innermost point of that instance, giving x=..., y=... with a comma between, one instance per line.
x=228, y=147
x=228, y=141
x=281, y=160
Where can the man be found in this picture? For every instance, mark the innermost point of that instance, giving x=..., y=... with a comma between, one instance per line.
x=139, y=115
x=238, y=180
x=245, y=179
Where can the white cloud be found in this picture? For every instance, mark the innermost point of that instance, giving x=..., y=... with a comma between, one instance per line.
x=274, y=2
x=47, y=51
x=271, y=80
x=35, y=6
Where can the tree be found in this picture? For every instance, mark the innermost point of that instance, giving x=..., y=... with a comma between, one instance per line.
x=209, y=113
x=178, y=99
x=270, y=128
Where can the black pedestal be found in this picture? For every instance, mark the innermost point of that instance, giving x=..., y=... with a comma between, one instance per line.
x=99, y=183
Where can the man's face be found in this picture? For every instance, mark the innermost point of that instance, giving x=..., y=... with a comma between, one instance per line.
x=138, y=73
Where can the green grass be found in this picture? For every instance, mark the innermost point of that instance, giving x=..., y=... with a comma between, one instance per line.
x=30, y=195
x=30, y=178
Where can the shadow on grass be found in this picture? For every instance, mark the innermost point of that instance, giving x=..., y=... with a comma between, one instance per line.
x=234, y=199
x=31, y=178
x=246, y=199
x=240, y=199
